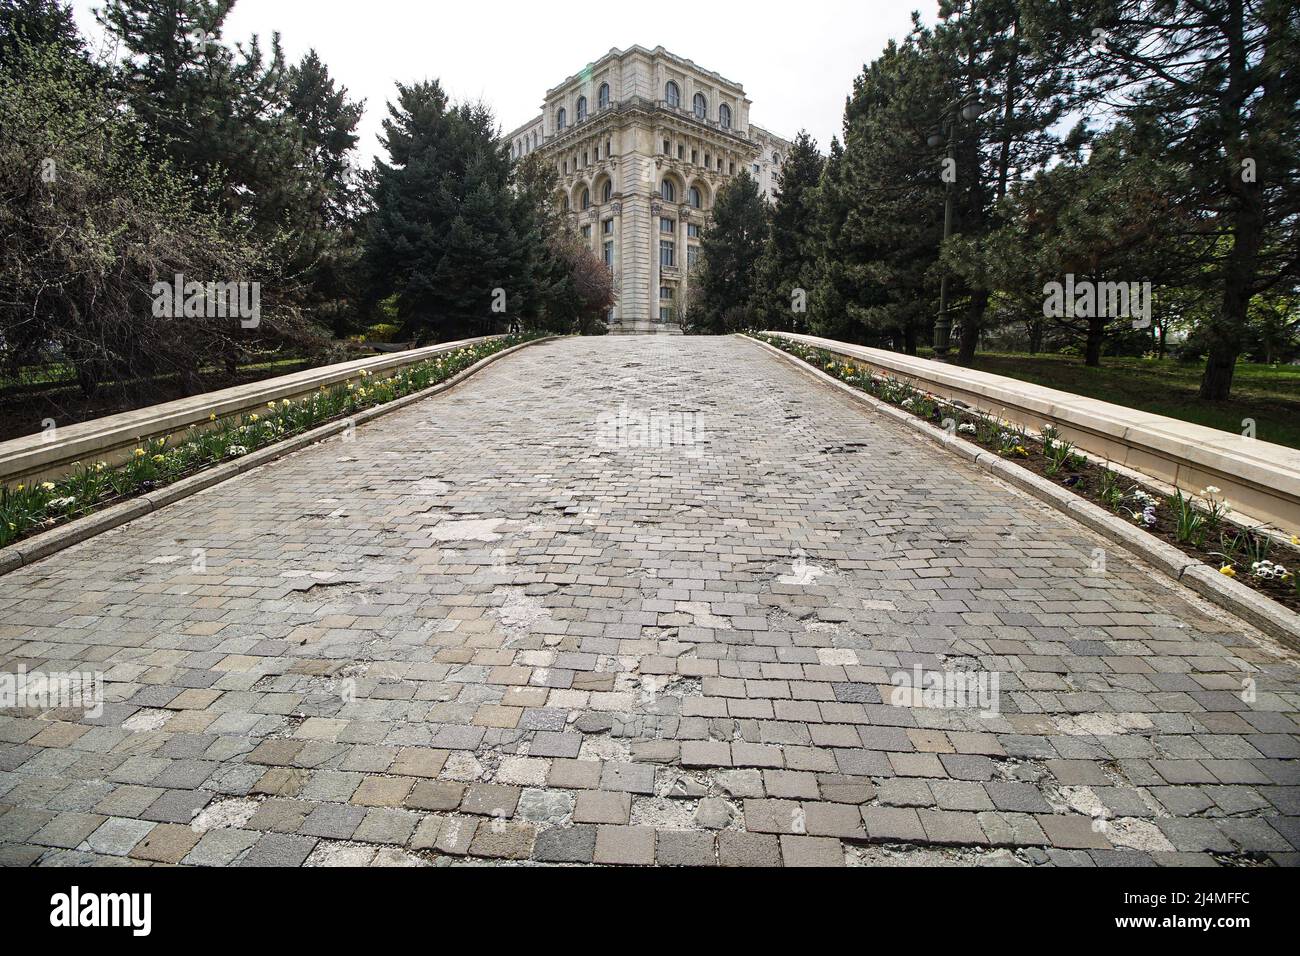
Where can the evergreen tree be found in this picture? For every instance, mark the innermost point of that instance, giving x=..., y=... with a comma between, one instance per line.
x=893, y=199
x=39, y=23
x=328, y=252
x=218, y=114
x=834, y=283
x=726, y=283
x=786, y=269
x=1110, y=218
x=1220, y=82
x=449, y=234
x=1024, y=90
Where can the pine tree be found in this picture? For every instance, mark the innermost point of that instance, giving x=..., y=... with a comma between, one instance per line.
x=832, y=285
x=785, y=271
x=217, y=114
x=1111, y=217
x=889, y=239
x=1025, y=90
x=726, y=284
x=449, y=235
x=328, y=249
x=1220, y=82
x=38, y=23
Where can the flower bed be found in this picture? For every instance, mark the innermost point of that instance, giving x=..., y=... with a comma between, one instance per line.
x=1195, y=524
x=29, y=509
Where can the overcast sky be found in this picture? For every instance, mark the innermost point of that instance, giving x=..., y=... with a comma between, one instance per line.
x=796, y=61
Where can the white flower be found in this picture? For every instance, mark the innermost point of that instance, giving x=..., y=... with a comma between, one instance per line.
x=234, y=451
x=58, y=504
x=966, y=428
x=1268, y=570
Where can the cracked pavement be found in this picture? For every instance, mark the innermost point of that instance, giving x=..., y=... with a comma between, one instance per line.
x=635, y=600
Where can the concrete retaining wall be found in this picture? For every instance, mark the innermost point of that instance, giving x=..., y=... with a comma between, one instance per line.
x=113, y=438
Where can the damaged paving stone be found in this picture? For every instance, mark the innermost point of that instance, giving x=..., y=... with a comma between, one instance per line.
x=479, y=635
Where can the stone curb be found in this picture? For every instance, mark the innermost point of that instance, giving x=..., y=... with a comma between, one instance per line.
x=1245, y=602
x=65, y=536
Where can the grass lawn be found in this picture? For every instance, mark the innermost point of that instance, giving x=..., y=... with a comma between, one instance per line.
x=1269, y=394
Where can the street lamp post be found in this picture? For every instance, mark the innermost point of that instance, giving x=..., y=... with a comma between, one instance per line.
x=968, y=109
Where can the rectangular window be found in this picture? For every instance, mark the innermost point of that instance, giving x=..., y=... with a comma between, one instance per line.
x=693, y=230
x=607, y=227
x=756, y=170
x=695, y=156
x=667, y=254
x=586, y=232
x=667, y=147
x=666, y=314
x=731, y=168
x=609, y=255
x=665, y=292
x=681, y=152
x=667, y=225
x=692, y=256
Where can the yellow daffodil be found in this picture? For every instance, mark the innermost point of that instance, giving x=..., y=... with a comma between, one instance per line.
x=253, y=417
x=1295, y=539
x=139, y=453
x=1228, y=570
x=212, y=417
x=159, y=459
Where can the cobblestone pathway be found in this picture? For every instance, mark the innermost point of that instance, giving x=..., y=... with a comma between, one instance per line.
x=634, y=601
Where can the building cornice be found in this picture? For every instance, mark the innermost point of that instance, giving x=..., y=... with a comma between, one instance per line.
x=636, y=49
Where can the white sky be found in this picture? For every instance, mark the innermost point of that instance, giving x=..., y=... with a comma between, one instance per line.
x=796, y=61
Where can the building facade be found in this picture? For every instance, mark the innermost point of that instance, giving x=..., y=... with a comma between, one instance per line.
x=642, y=141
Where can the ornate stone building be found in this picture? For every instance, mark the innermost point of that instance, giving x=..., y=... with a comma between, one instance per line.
x=643, y=140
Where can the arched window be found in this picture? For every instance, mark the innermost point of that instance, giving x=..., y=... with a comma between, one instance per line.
x=566, y=203
x=534, y=139
x=602, y=98
x=607, y=192
x=582, y=108
x=724, y=116
x=586, y=199
x=776, y=158
x=672, y=95
x=693, y=197
x=561, y=118
x=667, y=191
x=701, y=106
